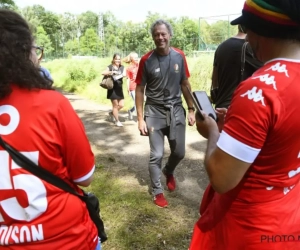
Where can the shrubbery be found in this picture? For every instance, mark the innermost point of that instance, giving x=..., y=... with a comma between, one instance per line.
x=83, y=76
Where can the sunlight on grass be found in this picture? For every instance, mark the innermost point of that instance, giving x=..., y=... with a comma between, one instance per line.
x=83, y=76
x=131, y=219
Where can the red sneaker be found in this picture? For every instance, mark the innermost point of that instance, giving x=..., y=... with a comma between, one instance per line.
x=160, y=201
x=171, y=183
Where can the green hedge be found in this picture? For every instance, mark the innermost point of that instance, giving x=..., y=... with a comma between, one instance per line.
x=83, y=76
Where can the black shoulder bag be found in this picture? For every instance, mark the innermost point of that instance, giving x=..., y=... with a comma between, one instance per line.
x=249, y=63
x=91, y=201
x=243, y=60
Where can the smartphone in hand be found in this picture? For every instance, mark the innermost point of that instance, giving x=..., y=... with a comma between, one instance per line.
x=205, y=104
x=202, y=103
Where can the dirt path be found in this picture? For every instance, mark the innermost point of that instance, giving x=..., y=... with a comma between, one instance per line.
x=131, y=150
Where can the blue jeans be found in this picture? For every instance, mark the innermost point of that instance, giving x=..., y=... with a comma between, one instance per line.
x=98, y=247
x=132, y=93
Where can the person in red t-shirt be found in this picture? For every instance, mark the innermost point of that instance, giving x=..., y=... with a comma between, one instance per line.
x=41, y=123
x=131, y=71
x=253, y=199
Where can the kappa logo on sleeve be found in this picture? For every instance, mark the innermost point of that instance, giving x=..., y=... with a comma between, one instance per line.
x=255, y=95
x=279, y=68
x=267, y=79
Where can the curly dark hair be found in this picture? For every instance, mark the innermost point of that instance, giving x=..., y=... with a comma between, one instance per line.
x=16, y=66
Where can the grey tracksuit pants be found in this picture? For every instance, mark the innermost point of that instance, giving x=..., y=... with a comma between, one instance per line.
x=157, y=129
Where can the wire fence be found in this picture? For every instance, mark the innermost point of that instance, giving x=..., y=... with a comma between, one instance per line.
x=203, y=42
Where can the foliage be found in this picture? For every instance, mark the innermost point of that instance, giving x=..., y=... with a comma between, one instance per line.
x=43, y=40
x=72, y=34
x=90, y=43
x=69, y=25
x=8, y=4
x=87, y=20
x=83, y=76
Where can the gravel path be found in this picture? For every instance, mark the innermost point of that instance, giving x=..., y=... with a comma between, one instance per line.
x=131, y=150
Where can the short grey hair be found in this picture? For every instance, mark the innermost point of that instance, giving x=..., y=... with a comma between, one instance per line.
x=161, y=22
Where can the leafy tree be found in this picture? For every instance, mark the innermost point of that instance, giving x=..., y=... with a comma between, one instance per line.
x=7, y=4
x=33, y=21
x=69, y=26
x=90, y=43
x=219, y=31
x=42, y=39
x=48, y=20
x=112, y=30
x=88, y=20
x=78, y=34
x=72, y=47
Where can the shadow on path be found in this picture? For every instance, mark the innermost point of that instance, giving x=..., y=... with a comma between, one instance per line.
x=126, y=146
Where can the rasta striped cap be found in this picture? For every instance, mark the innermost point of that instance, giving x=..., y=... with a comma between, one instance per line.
x=270, y=18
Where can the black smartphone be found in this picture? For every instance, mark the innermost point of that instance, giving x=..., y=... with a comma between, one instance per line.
x=202, y=103
x=196, y=105
x=205, y=104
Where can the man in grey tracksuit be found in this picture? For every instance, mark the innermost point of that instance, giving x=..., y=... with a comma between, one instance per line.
x=163, y=73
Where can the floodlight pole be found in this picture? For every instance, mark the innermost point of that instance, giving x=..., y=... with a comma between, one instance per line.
x=228, y=26
x=199, y=34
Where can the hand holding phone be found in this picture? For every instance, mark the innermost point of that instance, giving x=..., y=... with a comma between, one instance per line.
x=202, y=104
x=205, y=104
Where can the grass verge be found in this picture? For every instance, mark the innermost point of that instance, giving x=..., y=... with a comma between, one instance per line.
x=132, y=221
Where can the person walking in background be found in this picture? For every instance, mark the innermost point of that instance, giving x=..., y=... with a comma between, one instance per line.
x=41, y=123
x=253, y=199
x=227, y=68
x=116, y=69
x=131, y=72
x=164, y=73
x=39, y=50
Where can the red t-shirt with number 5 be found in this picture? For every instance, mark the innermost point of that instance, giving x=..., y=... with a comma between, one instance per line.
x=34, y=214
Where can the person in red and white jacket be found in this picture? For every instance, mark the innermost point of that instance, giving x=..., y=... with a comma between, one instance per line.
x=131, y=72
x=253, y=165
x=40, y=123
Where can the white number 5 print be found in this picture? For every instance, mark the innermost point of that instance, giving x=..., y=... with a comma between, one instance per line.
x=30, y=184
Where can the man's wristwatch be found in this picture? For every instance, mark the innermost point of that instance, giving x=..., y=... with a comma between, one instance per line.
x=191, y=108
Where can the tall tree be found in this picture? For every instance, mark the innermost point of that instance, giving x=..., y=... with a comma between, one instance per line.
x=88, y=20
x=69, y=25
x=90, y=43
x=30, y=16
x=112, y=29
x=8, y=4
x=43, y=40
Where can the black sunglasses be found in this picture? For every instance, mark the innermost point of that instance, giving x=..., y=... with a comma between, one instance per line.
x=39, y=51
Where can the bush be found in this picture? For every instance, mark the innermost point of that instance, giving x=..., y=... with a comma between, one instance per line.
x=92, y=74
x=83, y=76
x=76, y=74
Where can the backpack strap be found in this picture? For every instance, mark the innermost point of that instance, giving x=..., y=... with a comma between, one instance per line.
x=243, y=60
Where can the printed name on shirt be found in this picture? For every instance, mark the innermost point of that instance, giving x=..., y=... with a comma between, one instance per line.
x=255, y=95
x=279, y=68
x=31, y=185
x=267, y=79
x=20, y=234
